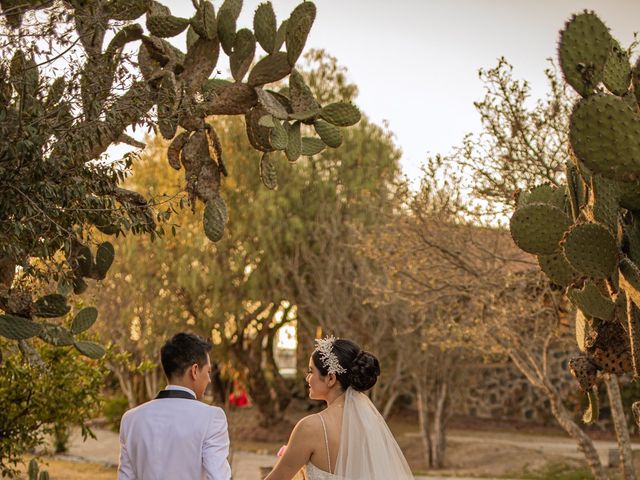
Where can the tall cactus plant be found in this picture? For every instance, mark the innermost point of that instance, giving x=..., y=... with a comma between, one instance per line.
x=586, y=233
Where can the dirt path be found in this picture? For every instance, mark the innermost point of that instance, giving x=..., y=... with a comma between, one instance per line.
x=483, y=452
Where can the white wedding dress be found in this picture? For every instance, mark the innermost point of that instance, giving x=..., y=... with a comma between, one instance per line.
x=368, y=450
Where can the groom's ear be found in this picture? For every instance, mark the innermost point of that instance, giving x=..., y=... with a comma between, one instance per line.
x=193, y=371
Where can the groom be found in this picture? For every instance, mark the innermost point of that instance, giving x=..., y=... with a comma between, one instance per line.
x=175, y=436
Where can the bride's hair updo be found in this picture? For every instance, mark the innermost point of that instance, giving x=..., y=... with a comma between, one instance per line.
x=362, y=368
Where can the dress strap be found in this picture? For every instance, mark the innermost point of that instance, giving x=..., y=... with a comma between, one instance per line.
x=326, y=442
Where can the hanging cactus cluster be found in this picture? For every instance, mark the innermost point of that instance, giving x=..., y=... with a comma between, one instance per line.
x=273, y=119
x=586, y=234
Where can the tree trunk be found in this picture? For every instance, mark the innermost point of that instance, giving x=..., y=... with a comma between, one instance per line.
x=126, y=384
x=386, y=410
x=423, y=421
x=538, y=379
x=439, y=443
x=620, y=424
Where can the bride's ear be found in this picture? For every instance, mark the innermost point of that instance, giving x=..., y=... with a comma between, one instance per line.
x=331, y=380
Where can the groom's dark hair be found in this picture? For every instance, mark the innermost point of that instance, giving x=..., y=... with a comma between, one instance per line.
x=183, y=350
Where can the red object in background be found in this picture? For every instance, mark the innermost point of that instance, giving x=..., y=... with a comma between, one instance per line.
x=238, y=397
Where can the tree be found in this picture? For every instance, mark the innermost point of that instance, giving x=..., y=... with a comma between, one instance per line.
x=241, y=288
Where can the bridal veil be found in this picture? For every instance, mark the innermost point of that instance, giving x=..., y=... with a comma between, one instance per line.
x=368, y=450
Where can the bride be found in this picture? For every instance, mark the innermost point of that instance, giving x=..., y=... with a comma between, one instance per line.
x=349, y=440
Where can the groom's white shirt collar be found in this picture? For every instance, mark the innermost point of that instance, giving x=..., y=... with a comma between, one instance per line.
x=179, y=387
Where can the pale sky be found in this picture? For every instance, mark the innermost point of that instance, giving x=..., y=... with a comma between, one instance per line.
x=415, y=62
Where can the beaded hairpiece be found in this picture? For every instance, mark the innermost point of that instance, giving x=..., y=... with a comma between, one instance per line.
x=329, y=359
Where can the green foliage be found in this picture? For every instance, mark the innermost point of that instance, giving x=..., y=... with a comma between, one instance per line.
x=34, y=399
x=113, y=408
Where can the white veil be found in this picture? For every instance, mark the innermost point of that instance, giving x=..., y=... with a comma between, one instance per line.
x=368, y=450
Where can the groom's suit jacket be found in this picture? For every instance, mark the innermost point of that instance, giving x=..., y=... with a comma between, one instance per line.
x=174, y=438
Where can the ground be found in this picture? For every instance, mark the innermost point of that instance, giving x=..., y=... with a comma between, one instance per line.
x=474, y=451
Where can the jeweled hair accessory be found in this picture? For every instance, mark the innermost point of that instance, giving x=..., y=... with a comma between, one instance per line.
x=329, y=359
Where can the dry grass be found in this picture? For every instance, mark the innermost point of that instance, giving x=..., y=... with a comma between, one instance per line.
x=68, y=470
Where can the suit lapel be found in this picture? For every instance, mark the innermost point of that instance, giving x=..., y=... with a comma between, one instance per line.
x=174, y=394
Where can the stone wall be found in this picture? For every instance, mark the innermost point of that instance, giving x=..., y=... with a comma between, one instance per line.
x=499, y=391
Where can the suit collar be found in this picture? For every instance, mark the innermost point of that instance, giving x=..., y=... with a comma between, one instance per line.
x=176, y=391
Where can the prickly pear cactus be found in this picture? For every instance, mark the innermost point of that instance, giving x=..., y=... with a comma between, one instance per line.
x=588, y=241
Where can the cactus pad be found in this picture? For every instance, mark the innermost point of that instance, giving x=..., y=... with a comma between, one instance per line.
x=165, y=26
x=126, y=10
x=312, y=146
x=83, y=320
x=270, y=69
x=173, y=152
x=582, y=330
x=294, y=143
x=199, y=63
x=538, y=228
x=298, y=28
x=268, y=172
x=51, y=306
x=90, y=349
x=56, y=335
x=556, y=267
x=605, y=135
x=302, y=99
x=584, y=371
x=592, y=302
x=215, y=217
x=279, y=137
x=257, y=134
x=244, y=48
x=227, y=18
x=104, y=259
x=584, y=48
x=204, y=22
x=330, y=134
x=341, y=114
x=18, y=328
x=630, y=280
x=617, y=71
x=592, y=412
x=591, y=249
x=271, y=104
x=265, y=27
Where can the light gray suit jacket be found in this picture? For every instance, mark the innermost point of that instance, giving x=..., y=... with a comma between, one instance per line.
x=174, y=438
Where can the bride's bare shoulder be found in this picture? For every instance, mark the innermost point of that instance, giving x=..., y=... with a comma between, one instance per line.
x=309, y=423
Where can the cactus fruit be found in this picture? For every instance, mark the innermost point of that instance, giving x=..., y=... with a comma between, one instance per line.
x=265, y=26
x=584, y=47
x=591, y=249
x=538, y=228
x=83, y=320
x=341, y=114
x=605, y=135
x=268, y=172
x=215, y=217
x=298, y=28
x=18, y=328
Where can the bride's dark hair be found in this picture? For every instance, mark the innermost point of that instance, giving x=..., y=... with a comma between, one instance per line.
x=362, y=368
